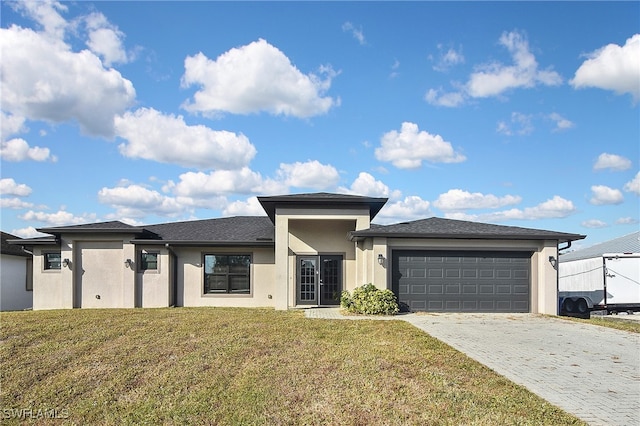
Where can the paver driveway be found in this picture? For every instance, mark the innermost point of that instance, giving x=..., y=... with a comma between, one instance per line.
x=590, y=371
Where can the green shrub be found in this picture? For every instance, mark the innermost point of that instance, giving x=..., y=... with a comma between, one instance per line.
x=370, y=300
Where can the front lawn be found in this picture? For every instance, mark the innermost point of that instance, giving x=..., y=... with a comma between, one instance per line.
x=245, y=366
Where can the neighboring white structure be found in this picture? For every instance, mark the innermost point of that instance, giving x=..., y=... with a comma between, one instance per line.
x=605, y=276
x=304, y=252
x=15, y=277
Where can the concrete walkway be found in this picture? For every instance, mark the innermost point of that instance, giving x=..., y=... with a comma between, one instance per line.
x=589, y=371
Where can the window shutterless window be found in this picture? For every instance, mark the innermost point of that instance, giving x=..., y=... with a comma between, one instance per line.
x=52, y=261
x=149, y=261
x=227, y=274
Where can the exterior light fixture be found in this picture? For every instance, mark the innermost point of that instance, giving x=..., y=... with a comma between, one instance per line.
x=128, y=263
x=553, y=261
x=380, y=259
x=66, y=263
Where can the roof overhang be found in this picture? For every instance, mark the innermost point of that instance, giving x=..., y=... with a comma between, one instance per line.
x=321, y=201
x=196, y=243
x=364, y=234
x=78, y=230
x=29, y=242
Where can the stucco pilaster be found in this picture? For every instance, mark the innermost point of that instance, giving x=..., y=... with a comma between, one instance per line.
x=281, y=288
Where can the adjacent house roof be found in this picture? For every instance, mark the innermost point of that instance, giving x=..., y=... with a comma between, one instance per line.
x=625, y=244
x=458, y=229
x=12, y=250
x=321, y=200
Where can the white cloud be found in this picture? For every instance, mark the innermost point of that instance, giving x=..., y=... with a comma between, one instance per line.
x=633, y=185
x=14, y=204
x=448, y=59
x=612, y=162
x=105, y=39
x=200, y=185
x=556, y=207
x=58, y=218
x=75, y=85
x=449, y=99
x=457, y=199
x=10, y=125
x=593, y=224
x=408, y=148
x=626, y=221
x=410, y=208
x=168, y=139
x=136, y=201
x=250, y=207
x=356, y=32
x=612, y=67
x=366, y=185
x=311, y=174
x=602, y=195
x=521, y=124
x=19, y=150
x=495, y=78
x=45, y=13
x=8, y=186
x=252, y=78
x=561, y=122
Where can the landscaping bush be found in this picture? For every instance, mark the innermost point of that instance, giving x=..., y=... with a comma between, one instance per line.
x=370, y=300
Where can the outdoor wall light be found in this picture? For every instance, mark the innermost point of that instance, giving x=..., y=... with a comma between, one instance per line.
x=380, y=259
x=128, y=263
x=553, y=261
x=66, y=263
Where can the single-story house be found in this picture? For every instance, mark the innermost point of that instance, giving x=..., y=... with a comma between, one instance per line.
x=303, y=253
x=15, y=276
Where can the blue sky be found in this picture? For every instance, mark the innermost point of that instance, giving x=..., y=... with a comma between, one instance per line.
x=522, y=114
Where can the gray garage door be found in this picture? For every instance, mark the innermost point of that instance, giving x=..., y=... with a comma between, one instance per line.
x=462, y=281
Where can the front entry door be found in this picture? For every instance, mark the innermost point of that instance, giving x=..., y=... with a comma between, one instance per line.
x=319, y=280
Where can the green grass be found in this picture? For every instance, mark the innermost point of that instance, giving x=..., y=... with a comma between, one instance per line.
x=247, y=366
x=619, y=323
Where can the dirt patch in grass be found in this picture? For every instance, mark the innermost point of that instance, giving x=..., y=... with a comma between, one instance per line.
x=247, y=366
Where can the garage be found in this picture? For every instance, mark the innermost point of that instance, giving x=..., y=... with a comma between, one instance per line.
x=462, y=281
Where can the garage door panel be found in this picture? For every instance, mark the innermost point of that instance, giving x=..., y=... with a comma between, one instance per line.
x=418, y=288
x=488, y=274
x=453, y=273
x=470, y=289
x=470, y=273
x=486, y=289
x=418, y=273
x=503, y=289
x=453, y=289
x=436, y=289
x=483, y=282
x=436, y=273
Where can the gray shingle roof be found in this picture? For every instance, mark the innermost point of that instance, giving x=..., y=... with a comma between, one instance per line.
x=625, y=244
x=234, y=230
x=448, y=228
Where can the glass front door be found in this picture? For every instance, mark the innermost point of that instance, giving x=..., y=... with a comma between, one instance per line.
x=319, y=280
